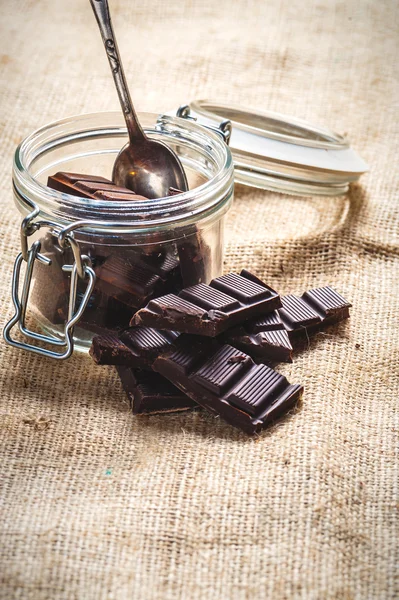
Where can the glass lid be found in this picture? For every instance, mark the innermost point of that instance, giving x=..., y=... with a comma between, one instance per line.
x=283, y=154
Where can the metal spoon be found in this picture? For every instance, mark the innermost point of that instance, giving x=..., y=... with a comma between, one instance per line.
x=146, y=166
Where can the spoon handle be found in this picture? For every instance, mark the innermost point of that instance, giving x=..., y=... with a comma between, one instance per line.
x=101, y=11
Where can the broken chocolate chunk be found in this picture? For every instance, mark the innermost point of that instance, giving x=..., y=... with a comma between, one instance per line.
x=195, y=259
x=108, y=349
x=133, y=279
x=209, y=309
x=135, y=347
x=269, y=338
x=90, y=186
x=264, y=338
x=149, y=393
x=314, y=309
x=244, y=394
x=146, y=344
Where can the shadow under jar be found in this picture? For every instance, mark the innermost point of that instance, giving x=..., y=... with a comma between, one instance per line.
x=138, y=249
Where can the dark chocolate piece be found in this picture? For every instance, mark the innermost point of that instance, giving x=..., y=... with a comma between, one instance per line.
x=108, y=349
x=127, y=280
x=127, y=277
x=160, y=263
x=269, y=322
x=150, y=393
x=227, y=382
x=269, y=337
x=330, y=305
x=195, y=259
x=209, y=309
x=90, y=186
x=314, y=309
x=65, y=182
x=134, y=279
x=265, y=339
x=135, y=347
x=146, y=344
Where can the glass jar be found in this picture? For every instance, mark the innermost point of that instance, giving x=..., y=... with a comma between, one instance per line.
x=95, y=262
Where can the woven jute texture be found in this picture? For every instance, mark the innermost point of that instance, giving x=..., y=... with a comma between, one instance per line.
x=96, y=504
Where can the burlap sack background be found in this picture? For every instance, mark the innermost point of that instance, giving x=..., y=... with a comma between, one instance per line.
x=99, y=505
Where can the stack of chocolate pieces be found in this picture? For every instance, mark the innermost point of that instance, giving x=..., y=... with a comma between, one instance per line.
x=127, y=276
x=192, y=344
x=212, y=346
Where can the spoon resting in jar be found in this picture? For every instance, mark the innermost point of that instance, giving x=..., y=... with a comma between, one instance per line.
x=146, y=166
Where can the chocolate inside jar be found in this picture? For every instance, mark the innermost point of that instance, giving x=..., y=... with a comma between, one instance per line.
x=127, y=276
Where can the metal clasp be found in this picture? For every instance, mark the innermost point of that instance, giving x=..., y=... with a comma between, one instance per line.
x=224, y=128
x=80, y=269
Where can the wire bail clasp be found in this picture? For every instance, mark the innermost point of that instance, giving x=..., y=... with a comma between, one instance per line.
x=224, y=129
x=81, y=268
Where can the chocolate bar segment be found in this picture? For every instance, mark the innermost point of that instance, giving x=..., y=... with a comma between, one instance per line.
x=146, y=344
x=330, y=306
x=90, y=186
x=269, y=338
x=125, y=279
x=108, y=349
x=195, y=259
x=297, y=315
x=149, y=393
x=133, y=279
x=265, y=339
x=269, y=322
x=314, y=309
x=65, y=182
x=228, y=383
x=135, y=347
x=209, y=309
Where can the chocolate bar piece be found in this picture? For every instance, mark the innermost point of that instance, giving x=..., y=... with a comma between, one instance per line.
x=227, y=382
x=269, y=337
x=210, y=309
x=265, y=339
x=127, y=277
x=150, y=393
x=90, y=186
x=108, y=349
x=135, y=347
x=269, y=322
x=133, y=279
x=195, y=259
x=146, y=344
x=315, y=308
x=65, y=182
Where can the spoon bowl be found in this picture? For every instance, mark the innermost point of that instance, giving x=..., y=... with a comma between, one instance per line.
x=149, y=169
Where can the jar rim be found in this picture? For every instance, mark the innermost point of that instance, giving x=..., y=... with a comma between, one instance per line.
x=160, y=212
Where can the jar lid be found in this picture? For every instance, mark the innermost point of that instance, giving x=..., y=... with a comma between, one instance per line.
x=283, y=154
